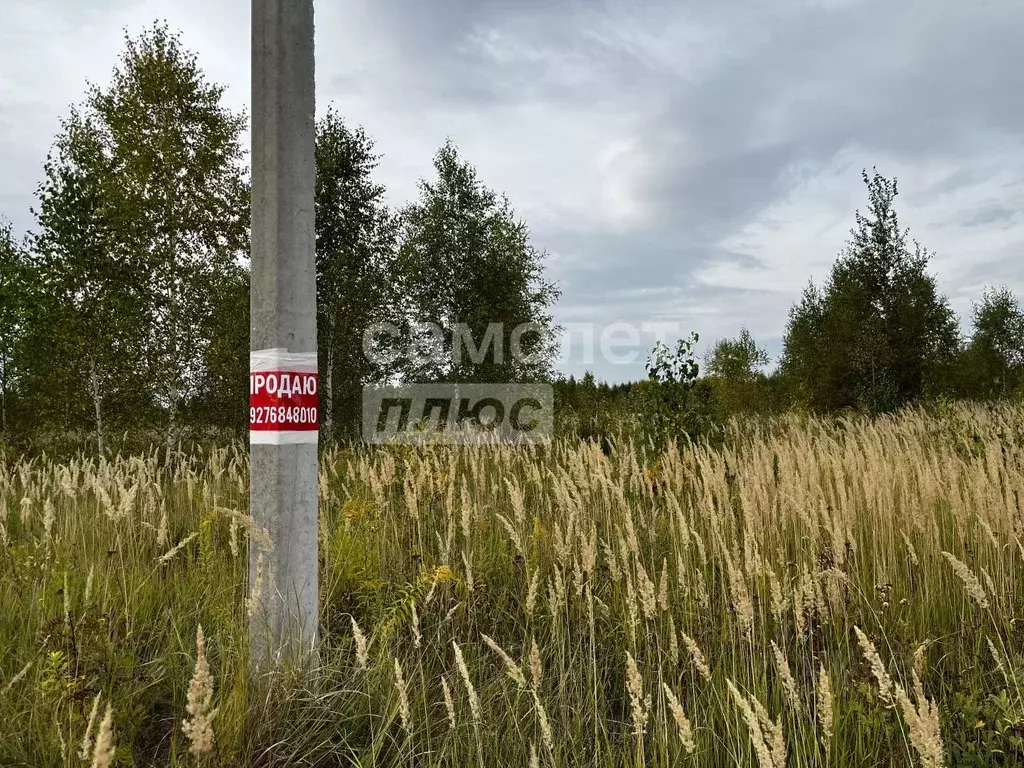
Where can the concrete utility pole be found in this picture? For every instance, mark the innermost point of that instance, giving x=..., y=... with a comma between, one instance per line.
x=283, y=425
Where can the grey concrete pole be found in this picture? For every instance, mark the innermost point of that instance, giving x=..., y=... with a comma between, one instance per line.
x=283, y=491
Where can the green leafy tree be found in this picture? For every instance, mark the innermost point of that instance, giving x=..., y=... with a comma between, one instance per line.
x=357, y=286
x=86, y=313
x=479, y=302
x=12, y=309
x=734, y=366
x=675, y=401
x=178, y=200
x=223, y=388
x=878, y=334
x=994, y=358
x=143, y=216
x=736, y=359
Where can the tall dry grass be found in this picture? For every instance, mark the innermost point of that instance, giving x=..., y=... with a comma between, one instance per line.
x=815, y=592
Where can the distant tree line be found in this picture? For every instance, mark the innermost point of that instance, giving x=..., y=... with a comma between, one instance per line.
x=128, y=305
x=876, y=336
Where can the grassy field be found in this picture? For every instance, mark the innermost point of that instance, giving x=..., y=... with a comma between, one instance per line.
x=813, y=593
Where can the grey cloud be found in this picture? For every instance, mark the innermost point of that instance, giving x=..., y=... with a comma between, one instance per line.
x=728, y=108
x=994, y=214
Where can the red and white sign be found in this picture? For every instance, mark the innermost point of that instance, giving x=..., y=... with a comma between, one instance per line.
x=283, y=397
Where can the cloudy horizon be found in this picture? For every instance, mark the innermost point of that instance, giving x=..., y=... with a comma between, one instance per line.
x=685, y=163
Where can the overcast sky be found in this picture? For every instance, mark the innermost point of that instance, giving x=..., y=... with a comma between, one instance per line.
x=683, y=162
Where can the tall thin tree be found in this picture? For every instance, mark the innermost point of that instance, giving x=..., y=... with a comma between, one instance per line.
x=12, y=308
x=180, y=201
x=357, y=283
x=476, y=283
x=85, y=321
x=878, y=334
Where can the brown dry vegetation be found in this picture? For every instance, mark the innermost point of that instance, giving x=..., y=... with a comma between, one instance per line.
x=813, y=592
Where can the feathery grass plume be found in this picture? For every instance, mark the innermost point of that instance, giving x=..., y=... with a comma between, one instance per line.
x=577, y=578
x=700, y=590
x=449, y=704
x=88, y=587
x=49, y=517
x=814, y=602
x=701, y=552
x=910, y=548
x=547, y=739
x=989, y=583
x=673, y=641
x=510, y=666
x=699, y=662
x=989, y=532
x=103, y=752
x=772, y=730
x=26, y=509
x=468, y=563
x=998, y=659
x=233, y=536
x=682, y=576
x=162, y=533
x=556, y=594
x=416, y=637
x=451, y=612
x=515, y=495
x=534, y=758
x=536, y=670
x=682, y=723
x=823, y=695
x=923, y=725
x=640, y=705
x=663, y=586
x=739, y=594
x=86, y=749
x=633, y=618
x=885, y=684
x=169, y=555
x=252, y=602
x=645, y=591
x=513, y=535
x=971, y=584
x=919, y=659
x=800, y=607
x=474, y=701
x=403, y=698
x=18, y=677
x=611, y=561
x=588, y=551
x=778, y=600
x=764, y=755
x=198, y=726
x=362, y=656
x=67, y=604
x=786, y=676
x=467, y=512
x=531, y=593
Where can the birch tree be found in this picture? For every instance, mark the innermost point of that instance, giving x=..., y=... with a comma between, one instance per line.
x=471, y=270
x=357, y=284
x=180, y=201
x=11, y=312
x=85, y=312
